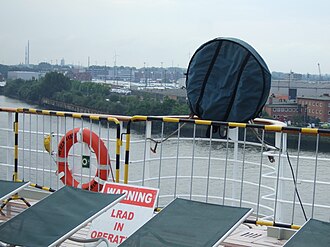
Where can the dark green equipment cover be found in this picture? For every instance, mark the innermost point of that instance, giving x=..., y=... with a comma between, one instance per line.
x=55, y=218
x=314, y=233
x=8, y=188
x=227, y=80
x=188, y=223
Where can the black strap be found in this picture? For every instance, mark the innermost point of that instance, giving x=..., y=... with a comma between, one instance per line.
x=214, y=58
x=222, y=130
x=236, y=86
x=260, y=105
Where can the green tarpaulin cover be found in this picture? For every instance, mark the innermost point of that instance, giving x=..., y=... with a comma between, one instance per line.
x=227, y=80
x=188, y=223
x=314, y=233
x=8, y=188
x=47, y=221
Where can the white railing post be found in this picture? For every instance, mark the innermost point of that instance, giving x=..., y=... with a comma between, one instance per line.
x=233, y=135
x=146, y=162
x=283, y=169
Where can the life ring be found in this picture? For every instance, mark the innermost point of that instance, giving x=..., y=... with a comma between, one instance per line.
x=100, y=150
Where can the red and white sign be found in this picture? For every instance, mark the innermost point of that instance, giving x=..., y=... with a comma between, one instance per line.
x=120, y=221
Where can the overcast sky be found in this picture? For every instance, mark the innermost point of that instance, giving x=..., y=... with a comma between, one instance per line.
x=288, y=34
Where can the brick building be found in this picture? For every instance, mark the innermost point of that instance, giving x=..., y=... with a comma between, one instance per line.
x=284, y=111
x=279, y=107
x=318, y=107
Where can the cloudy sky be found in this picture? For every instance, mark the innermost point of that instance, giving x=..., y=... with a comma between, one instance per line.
x=288, y=34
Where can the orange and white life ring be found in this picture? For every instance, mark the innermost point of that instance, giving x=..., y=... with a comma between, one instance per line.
x=100, y=150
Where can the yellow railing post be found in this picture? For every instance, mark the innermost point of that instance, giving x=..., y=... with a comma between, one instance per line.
x=15, y=175
x=128, y=139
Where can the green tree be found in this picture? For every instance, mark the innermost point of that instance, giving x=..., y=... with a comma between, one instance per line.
x=54, y=82
x=93, y=95
x=30, y=91
x=12, y=88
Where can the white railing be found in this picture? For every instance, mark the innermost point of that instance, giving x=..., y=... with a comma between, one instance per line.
x=173, y=154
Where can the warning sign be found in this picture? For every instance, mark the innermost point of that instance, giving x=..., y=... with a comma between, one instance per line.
x=120, y=221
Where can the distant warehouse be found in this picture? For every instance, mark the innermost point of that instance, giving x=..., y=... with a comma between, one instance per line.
x=24, y=75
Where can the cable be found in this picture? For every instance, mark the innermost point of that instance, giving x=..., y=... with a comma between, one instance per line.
x=267, y=145
x=264, y=143
x=165, y=139
x=295, y=185
x=191, y=115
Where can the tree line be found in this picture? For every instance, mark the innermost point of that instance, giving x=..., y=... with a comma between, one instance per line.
x=57, y=86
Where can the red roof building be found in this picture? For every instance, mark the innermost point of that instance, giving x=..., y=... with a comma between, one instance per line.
x=318, y=107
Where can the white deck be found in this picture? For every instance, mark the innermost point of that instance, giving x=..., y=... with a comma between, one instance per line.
x=251, y=235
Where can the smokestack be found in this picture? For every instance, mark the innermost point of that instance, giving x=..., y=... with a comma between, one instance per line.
x=26, y=59
x=28, y=53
